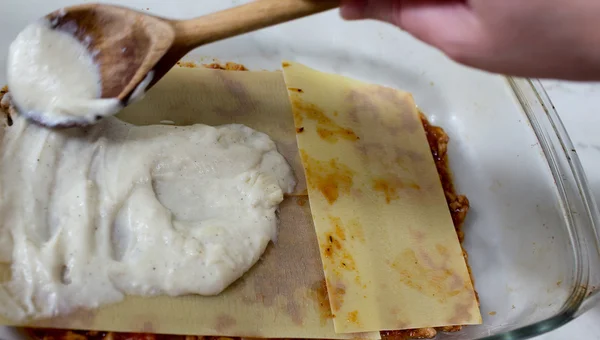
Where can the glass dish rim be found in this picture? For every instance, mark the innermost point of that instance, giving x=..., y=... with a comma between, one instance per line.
x=538, y=108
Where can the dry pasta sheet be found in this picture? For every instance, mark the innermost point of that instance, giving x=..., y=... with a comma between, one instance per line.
x=391, y=256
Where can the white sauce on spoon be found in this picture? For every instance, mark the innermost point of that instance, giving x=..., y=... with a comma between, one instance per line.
x=88, y=216
x=53, y=78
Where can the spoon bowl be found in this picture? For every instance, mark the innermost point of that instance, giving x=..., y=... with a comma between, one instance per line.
x=126, y=44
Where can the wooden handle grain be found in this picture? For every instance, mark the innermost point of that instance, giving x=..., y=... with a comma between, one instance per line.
x=246, y=18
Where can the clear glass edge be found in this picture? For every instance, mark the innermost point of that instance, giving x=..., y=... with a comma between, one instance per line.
x=579, y=207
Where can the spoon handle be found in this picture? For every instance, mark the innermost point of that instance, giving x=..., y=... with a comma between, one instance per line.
x=246, y=18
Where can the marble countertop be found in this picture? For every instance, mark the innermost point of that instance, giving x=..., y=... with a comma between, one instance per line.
x=579, y=107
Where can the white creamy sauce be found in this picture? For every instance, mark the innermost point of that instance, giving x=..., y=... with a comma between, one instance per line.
x=53, y=78
x=88, y=216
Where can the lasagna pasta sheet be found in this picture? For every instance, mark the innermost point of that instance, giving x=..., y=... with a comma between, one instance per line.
x=390, y=252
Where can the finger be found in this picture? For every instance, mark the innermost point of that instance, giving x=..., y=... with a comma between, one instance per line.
x=353, y=9
x=449, y=25
x=426, y=19
x=371, y=9
x=438, y=22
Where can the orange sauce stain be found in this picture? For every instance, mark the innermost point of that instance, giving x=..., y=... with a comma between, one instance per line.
x=330, y=178
x=492, y=313
x=229, y=66
x=436, y=282
x=353, y=317
x=383, y=186
x=322, y=299
x=286, y=65
x=336, y=297
x=347, y=262
x=333, y=136
x=327, y=129
x=295, y=89
x=300, y=130
x=331, y=244
x=390, y=187
x=325, y=134
x=187, y=64
x=301, y=200
x=355, y=230
x=334, y=249
x=337, y=223
x=441, y=249
x=461, y=312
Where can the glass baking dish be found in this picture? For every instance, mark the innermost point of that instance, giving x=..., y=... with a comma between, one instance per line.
x=532, y=233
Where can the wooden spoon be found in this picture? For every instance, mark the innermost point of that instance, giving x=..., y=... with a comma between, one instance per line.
x=131, y=46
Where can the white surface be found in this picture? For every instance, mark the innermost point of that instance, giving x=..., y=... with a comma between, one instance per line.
x=579, y=107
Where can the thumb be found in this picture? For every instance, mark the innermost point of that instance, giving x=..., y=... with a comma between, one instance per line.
x=450, y=25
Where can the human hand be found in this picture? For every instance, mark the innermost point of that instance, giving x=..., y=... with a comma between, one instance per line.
x=529, y=38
